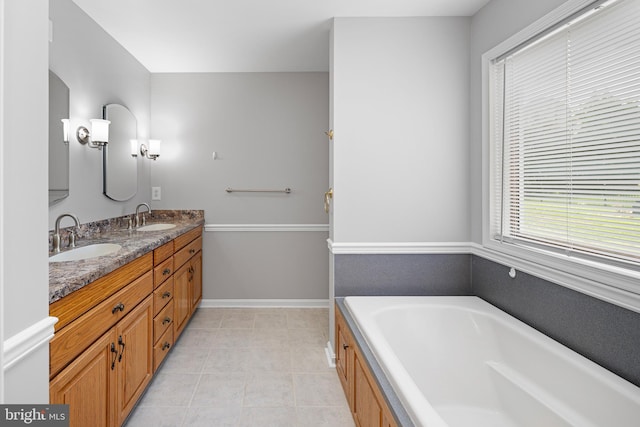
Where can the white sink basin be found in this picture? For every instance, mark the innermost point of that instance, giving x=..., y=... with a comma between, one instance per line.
x=155, y=227
x=91, y=251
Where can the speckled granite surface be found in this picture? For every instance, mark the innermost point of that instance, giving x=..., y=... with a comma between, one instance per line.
x=67, y=277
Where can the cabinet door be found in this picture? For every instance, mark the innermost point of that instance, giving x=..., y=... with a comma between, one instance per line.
x=86, y=385
x=366, y=410
x=135, y=356
x=181, y=298
x=196, y=280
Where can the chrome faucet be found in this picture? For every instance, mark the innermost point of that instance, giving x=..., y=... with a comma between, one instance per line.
x=56, y=233
x=144, y=221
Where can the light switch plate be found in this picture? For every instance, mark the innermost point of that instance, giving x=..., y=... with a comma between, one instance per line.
x=156, y=193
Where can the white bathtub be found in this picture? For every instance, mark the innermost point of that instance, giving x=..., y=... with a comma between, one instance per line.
x=459, y=361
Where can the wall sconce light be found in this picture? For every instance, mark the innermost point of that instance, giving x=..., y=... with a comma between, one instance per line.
x=65, y=130
x=151, y=152
x=99, y=135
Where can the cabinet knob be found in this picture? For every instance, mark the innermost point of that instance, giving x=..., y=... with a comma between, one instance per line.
x=167, y=294
x=166, y=345
x=118, y=307
x=345, y=346
x=166, y=271
x=192, y=251
x=166, y=320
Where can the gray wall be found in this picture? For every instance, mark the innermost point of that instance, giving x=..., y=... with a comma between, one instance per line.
x=268, y=132
x=400, y=115
x=98, y=71
x=402, y=275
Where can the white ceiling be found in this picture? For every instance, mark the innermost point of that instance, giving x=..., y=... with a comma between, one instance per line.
x=244, y=35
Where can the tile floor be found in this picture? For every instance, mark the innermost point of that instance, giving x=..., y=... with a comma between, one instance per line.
x=247, y=367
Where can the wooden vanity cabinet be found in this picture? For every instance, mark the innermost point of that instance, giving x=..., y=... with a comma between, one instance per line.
x=114, y=333
x=187, y=279
x=368, y=407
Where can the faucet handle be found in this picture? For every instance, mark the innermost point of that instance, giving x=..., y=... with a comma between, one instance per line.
x=72, y=239
x=129, y=223
x=144, y=219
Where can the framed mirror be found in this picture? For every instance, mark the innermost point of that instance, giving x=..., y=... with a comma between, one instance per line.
x=58, y=147
x=120, y=168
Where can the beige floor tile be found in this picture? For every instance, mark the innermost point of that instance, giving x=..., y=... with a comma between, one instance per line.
x=309, y=359
x=318, y=389
x=268, y=417
x=278, y=338
x=233, y=338
x=324, y=416
x=185, y=360
x=309, y=337
x=208, y=318
x=169, y=389
x=271, y=320
x=157, y=417
x=247, y=367
x=222, y=359
x=191, y=337
x=236, y=321
x=269, y=390
x=212, y=417
x=220, y=390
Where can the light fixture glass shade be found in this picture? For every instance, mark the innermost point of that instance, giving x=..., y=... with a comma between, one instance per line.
x=154, y=147
x=65, y=130
x=134, y=147
x=100, y=130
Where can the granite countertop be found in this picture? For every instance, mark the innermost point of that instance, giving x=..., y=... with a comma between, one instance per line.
x=67, y=277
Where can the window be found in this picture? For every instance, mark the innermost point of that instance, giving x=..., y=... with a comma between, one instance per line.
x=565, y=137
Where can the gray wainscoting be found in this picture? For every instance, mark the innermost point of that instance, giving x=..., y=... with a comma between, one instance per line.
x=604, y=333
x=402, y=275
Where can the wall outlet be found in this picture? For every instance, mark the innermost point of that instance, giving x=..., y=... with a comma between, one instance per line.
x=156, y=193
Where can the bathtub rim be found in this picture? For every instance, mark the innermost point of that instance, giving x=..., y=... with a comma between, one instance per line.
x=392, y=400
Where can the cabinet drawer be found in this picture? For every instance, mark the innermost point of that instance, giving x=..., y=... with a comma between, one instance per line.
x=161, y=349
x=182, y=240
x=163, y=321
x=163, y=252
x=162, y=295
x=162, y=271
x=77, y=336
x=187, y=252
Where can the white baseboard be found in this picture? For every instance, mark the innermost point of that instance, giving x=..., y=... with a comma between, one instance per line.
x=26, y=341
x=331, y=355
x=274, y=303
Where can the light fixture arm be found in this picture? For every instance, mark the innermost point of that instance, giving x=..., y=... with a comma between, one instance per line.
x=144, y=150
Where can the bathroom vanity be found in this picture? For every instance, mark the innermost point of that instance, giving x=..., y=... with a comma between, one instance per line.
x=115, y=330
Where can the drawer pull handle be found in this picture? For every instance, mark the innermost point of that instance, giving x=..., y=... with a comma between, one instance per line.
x=119, y=307
x=192, y=251
x=166, y=320
x=345, y=346
x=166, y=271
x=121, y=344
x=167, y=294
x=165, y=346
x=115, y=355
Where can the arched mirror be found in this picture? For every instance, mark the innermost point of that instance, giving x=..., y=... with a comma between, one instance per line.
x=58, y=147
x=120, y=168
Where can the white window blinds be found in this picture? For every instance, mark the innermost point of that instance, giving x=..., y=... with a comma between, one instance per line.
x=566, y=137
